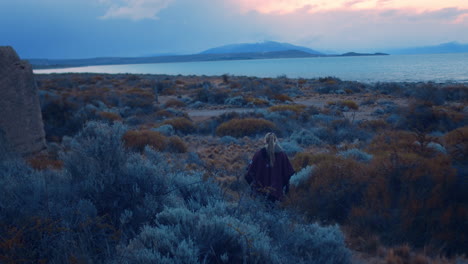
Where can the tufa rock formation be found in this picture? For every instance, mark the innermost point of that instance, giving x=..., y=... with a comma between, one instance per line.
x=20, y=111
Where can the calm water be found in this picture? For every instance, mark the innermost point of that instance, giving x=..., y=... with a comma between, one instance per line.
x=430, y=67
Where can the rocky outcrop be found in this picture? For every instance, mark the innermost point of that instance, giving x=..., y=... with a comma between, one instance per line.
x=20, y=112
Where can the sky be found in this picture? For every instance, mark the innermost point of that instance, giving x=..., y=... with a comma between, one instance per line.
x=63, y=29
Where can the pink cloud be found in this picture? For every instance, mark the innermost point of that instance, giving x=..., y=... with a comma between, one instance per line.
x=291, y=6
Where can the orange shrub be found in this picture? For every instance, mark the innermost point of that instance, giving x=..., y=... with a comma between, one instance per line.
x=336, y=186
x=350, y=104
x=137, y=140
x=244, y=127
x=391, y=141
x=164, y=113
x=181, y=124
x=282, y=98
x=456, y=142
x=257, y=101
x=174, y=103
x=110, y=116
x=44, y=161
x=176, y=144
x=374, y=125
x=297, y=109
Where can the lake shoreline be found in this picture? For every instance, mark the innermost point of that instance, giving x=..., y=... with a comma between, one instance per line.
x=370, y=69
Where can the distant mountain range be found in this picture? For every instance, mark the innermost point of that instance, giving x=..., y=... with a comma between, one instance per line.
x=246, y=51
x=267, y=46
x=450, y=47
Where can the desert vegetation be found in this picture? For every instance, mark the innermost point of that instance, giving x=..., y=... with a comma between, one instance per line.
x=149, y=169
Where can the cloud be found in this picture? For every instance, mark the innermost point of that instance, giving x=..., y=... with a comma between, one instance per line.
x=292, y=6
x=134, y=9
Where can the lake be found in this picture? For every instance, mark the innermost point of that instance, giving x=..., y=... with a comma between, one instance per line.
x=398, y=68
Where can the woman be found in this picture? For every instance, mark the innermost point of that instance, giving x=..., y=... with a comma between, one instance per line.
x=270, y=170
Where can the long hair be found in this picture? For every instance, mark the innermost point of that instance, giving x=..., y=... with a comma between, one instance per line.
x=270, y=141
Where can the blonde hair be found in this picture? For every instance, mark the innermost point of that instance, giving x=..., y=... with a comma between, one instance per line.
x=270, y=141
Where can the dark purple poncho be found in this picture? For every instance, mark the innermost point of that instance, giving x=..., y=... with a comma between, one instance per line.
x=266, y=179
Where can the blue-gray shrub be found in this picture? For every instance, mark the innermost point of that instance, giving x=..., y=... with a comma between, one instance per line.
x=291, y=147
x=302, y=176
x=355, y=154
x=109, y=205
x=306, y=137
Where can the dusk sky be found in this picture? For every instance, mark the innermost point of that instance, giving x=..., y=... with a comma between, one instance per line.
x=101, y=28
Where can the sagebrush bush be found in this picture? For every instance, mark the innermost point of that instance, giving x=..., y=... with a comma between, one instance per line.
x=301, y=176
x=290, y=147
x=60, y=118
x=109, y=205
x=305, y=137
x=181, y=124
x=355, y=154
x=245, y=127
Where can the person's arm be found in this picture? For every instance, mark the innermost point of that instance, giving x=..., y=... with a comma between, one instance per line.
x=288, y=172
x=250, y=174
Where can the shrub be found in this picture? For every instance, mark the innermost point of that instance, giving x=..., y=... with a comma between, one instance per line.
x=181, y=124
x=174, y=103
x=44, y=161
x=139, y=139
x=138, y=98
x=336, y=187
x=208, y=94
x=350, y=104
x=229, y=140
x=176, y=144
x=340, y=130
x=166, y=130
x=301, y=176
x=60, y=119
x=374, y=125
x=259, y=102
x=302, y=160
x=236, y=100
x=110, y=116
x=355, y=154
x=297, y=109
x=456, y=142
x=245, y=127
x=282, y=98
x=305, y=137
x=290, y=147
x=343, y=104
